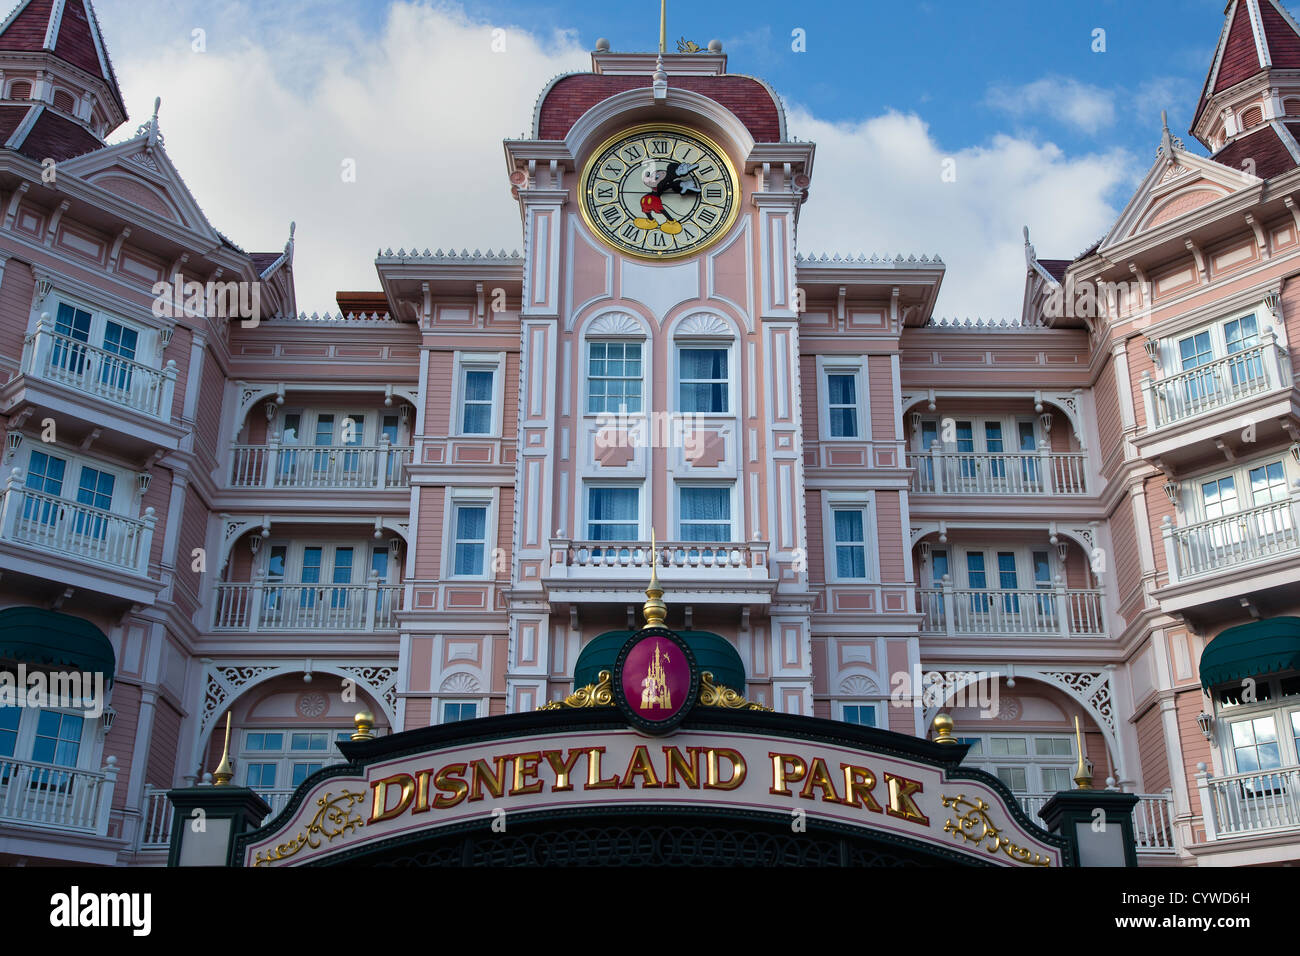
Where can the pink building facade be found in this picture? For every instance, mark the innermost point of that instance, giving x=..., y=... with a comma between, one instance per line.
x=434, y=505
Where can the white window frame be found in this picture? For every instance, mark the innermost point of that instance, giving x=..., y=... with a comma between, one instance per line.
x=873, y=705
x=855, y=365
x=476, y=703
x=586, y=372
x=126, y=491
x=368, y=424
x=1033, y=763
x=641, y=505
x=1170, y=360
x=362, y=558
x=89, y=750
x=149, y=345
x=1278, y=707
x=734, y=520
x=864, y=501
x=722, y=344
x=1010, y=432
x=472, y=498
x=494, y=362
x=284, y=758
x=1191, y=499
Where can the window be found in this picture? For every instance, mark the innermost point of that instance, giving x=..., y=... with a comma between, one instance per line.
x=260, y=776
x=1255, y=745
x=850, y=543
x=614, y=378
x=1027, y=763
x=58, y=738
x=477, y=401
x=21, y=90
x=285, y=757
x=613, y=514
x=63, y=101
x=9, y=719
x=453, y=711
x=77, y=329
x=704, y=382
x=1263, y=486
x=469, y=547
x=864, y=715
x=705, y=514
x=842, y=404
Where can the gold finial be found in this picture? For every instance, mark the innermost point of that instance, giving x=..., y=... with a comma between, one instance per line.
x=663, y=26
x=943, y=730
x=1083, y=775
x=224, y=773
x=655, y=610
x=365, y=722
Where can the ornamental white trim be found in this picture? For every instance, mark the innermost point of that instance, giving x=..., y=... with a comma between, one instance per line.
x=460, y=684
x=704, y=324
x=616, y=323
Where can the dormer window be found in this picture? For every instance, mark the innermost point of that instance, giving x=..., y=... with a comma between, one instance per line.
x=20, y=90
x=63, y=101
x=1252, y=117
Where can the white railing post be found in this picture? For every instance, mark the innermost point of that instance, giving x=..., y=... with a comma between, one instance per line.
x=272, y=464
x=42, y=344
x=385, y=450
x=255, y=599
x=105, y=808
x=372, y=601
x=1209, y=812
x=145, y=543
x=1063, y=607
x=1268, y=357
x=1171, y=551
x=11, y=505
x=1045, y=476
x=936, y=462
x=949, y=607
x=167, y=392
x=1148, y=400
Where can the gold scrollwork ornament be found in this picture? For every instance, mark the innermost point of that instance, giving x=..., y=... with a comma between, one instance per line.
x=334, y=819
x=716, y=695
x=975, y=826
x=599, y=694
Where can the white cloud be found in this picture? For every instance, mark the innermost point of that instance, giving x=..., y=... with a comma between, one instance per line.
x=1088, y=108
x=260, y=124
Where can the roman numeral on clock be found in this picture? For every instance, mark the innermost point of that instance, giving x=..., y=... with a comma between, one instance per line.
x=611, y=215
x=605, y=192
x=632, y=152
x=631, y=231
x=658, y=240
x=713, y=192
x=707, y=216
x=660, y=146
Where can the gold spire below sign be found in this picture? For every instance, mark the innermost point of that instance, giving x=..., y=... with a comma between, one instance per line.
x=663, y=26
x=654, y=609
x=1082, y=776
x=224, y=773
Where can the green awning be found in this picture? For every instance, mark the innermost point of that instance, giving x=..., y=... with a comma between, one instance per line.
x=1248, y=650
x=712, y=652
x=35, y=636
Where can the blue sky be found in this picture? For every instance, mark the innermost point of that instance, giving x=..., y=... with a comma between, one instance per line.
x=1045, y=132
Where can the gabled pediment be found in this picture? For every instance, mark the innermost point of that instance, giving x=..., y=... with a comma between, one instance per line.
x=1177, y=184
x=140, y=172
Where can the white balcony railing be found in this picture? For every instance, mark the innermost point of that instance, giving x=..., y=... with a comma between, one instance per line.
x=744, y=560
x=156, y=814
x=269, y=606
x=1218, y=384
x=1057, y=611
x=1152, y=827
x=1246, y=803
x=282, y=466
x=1041, y=472
x=58, y=798
x=1234, y=540
x=52, y=357
x=59, y=526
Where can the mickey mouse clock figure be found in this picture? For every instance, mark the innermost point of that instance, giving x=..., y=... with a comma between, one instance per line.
x=659, y=192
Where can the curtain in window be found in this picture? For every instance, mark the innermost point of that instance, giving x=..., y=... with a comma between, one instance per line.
x=703, y=380
x=471, y=531
x=612, y=514
x=850, y=548
x=706, y=514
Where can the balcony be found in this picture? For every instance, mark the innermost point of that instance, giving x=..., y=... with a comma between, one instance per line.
x=41, y=796
x=1233, y=541
x=1056, y=612
x=1250, y=804
x=156, y=815
x=57, y=526
x=1206, y=403
x=310, y=467
x=1044, y=472
x=1152, y=828
x=269, y=606
x=617, y=571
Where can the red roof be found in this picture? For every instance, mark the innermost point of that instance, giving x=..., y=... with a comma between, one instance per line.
x=53, y=137
x=1265, y=147
x=571, y=96
x=1238, y=58
x=79, y=39
x=1056, y=267
x=362, y=303
x=263, y=260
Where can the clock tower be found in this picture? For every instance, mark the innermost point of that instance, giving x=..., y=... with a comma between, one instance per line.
x=659, y=369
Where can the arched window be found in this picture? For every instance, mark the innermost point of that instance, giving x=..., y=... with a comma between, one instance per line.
x=63, y=101
x=1292, y=107
x=1251, y=117
x=20, y=90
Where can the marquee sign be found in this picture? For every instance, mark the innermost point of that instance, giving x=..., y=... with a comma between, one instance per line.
x=515, y=770
x=656, y=680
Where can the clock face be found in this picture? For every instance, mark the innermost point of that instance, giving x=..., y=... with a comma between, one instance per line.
x=659, y=192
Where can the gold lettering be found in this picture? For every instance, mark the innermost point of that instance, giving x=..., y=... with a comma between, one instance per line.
x=858, y=784
x=562, y=768
x=593, y=771
x=480, y=774
x=379, y=809
x=819, y=778
x=525, y=767
x=738, y=769
x=640, y=766
x=901, y=804
x=677, y=764
x=781, y=773
x=422, y=791
x=448, y=779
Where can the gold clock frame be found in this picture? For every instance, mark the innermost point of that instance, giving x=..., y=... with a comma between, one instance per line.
x=586, y=193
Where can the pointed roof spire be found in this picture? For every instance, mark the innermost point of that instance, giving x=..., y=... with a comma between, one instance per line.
x=1257, y=35
x=66, y=29
x=654, y=609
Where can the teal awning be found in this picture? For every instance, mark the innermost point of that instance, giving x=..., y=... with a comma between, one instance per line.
x=35, y=636
x=1248, y=650
x=712, y=652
